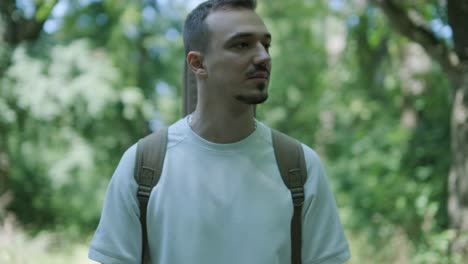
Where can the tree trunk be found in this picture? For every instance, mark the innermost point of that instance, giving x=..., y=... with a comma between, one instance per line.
x=457, y=13
x=458, y=177
x=4, y=167
x=454, y=62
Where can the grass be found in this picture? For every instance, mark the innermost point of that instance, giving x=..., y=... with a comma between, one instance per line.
x=16, y=247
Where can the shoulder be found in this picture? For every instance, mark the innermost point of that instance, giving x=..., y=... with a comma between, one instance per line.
x=316, y=175
x=127, y=162
x=123, y=174
x=310, y=155
x=313, y=160
x=177, y=132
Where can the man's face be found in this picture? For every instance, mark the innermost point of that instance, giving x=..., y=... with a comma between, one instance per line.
x=237, y=60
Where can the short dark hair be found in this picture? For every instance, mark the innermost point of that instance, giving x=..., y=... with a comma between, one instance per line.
x=196, y=32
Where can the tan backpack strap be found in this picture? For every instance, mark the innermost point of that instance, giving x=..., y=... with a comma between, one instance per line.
x=291, y=163
x=151, y=151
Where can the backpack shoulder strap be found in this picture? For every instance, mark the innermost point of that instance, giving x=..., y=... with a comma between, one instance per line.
x=151, y=151
x=291, y=163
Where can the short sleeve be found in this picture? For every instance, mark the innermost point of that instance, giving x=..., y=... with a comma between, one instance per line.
x=324, y=241
x=118, y=236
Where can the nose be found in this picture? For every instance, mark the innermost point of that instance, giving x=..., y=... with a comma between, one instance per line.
x=262, y=56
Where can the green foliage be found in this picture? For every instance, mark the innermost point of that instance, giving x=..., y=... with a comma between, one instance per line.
x=373, y=105
x=44, y=248
x=74, y=100
x=43, y=9
x=378, y=111
x=60, y=117
x=391, y=159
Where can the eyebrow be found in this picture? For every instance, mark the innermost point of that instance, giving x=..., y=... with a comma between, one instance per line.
x=246, y=35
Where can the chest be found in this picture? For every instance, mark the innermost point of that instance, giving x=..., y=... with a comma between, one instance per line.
x=201, y=191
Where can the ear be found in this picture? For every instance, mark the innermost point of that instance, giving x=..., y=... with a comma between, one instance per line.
x=195, y=62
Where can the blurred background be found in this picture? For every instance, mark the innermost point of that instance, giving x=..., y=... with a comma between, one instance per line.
x=377, y=88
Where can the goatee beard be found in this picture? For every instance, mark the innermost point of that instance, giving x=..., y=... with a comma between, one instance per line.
x=253, y=99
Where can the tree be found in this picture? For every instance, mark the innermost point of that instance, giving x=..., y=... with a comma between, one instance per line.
x=343, y=82
x=453, y=58
x=74, y=99
x=15, y=28
x=346, y=84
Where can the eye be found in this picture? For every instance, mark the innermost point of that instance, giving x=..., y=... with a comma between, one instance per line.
x=267, y=46
x=241, y=45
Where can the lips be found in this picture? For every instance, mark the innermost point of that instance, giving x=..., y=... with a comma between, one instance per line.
x=259, y=74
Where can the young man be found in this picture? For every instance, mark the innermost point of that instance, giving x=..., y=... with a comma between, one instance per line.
x=221, y=198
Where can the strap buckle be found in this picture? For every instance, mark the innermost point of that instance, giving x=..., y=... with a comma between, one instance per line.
x=297, y=196
x=297, y=187
x=144, y=188
x=144, y=192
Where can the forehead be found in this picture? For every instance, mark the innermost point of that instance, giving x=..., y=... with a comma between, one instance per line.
x=225, y=23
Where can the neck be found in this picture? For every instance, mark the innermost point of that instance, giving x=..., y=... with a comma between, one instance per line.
x=223, y=126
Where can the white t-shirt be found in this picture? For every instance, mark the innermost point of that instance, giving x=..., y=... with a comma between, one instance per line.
x=218, y=203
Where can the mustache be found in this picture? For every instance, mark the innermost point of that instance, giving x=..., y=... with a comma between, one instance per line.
x=260, y=69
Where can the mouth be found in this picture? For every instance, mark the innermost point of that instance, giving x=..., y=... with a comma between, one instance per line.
x=260, y=75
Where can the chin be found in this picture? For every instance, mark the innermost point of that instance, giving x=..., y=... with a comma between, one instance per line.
x=253, y=99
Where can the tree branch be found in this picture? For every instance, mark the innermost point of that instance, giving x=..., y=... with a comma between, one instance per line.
x=20, y=29
x=457, y=11
x=419, y=33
